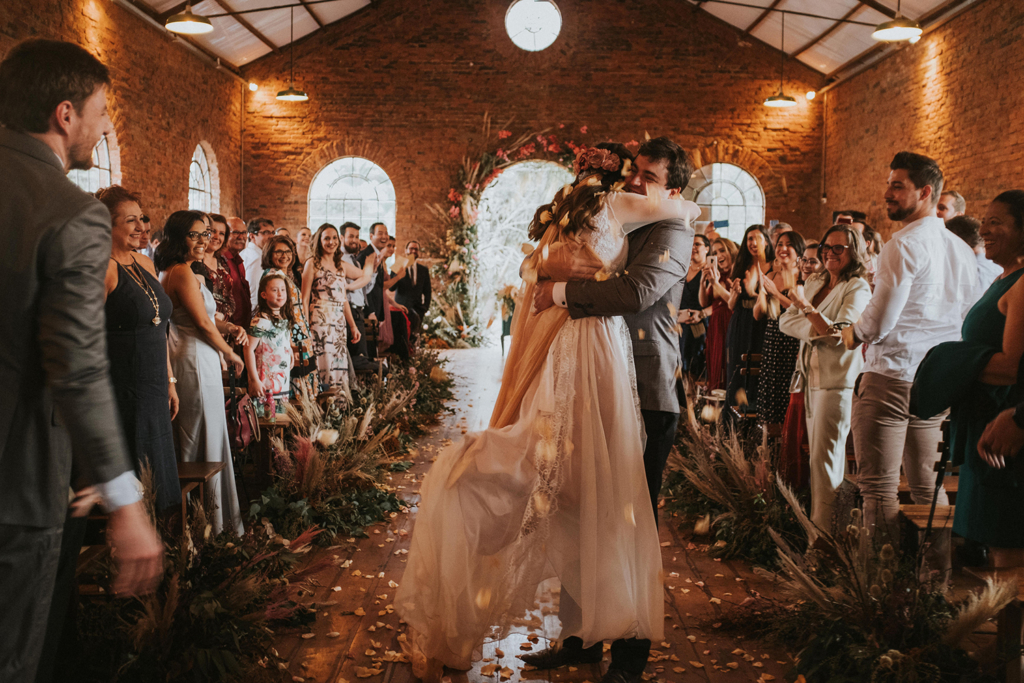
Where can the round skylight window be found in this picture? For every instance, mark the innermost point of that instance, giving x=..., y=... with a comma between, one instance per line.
x=533, y=24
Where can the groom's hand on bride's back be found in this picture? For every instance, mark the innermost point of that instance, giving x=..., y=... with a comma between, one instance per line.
x=542, y=298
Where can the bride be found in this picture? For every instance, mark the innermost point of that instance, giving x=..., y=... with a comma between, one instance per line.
x=555, y=487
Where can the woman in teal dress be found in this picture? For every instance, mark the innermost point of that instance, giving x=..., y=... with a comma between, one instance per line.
x=982, y=371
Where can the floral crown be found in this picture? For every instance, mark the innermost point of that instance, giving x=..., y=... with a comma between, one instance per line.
x=596, y=159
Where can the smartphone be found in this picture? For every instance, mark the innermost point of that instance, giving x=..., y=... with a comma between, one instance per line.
x=720, y=224
x=714, y=261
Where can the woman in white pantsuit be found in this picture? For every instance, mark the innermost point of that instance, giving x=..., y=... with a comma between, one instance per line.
x=829, y=301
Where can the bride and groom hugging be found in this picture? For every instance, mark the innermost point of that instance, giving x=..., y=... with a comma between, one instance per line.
x=564, y=481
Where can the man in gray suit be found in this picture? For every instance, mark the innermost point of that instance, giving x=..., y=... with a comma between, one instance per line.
x=646, y=295
x=57, y=400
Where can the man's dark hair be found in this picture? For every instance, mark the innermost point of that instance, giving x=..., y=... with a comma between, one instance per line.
x=410, y=242
x=37, y=75
x=374, y=226
x=705, y=239
x=857, y=216
x=257, y=223
x=921, y=170
x=966, y=228
x=680, y=168
x=349, y=224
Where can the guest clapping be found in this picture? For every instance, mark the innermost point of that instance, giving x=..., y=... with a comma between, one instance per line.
x=714, y=294
x=746, y=334
x=778, y=354
x=200, y=429
x=826, y=370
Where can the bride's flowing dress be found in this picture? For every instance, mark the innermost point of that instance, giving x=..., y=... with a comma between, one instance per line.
x=555, y=487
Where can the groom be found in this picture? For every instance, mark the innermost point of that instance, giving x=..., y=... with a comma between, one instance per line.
x=646, y=295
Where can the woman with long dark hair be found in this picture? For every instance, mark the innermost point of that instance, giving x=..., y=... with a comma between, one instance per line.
x=200, y=429
x=280, y=256
x=746, y=334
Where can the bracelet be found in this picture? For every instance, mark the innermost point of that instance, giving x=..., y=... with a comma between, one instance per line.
x=172, y=380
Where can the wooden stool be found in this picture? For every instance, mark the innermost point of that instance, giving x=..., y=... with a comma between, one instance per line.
x=193, y=476
x=1009, y=622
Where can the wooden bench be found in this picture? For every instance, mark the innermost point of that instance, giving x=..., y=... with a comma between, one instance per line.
x=1009, y=622
x=951, y=484
x=193, y=476
x=269, y=429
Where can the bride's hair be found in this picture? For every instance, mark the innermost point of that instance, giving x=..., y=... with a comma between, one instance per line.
x=574, y=206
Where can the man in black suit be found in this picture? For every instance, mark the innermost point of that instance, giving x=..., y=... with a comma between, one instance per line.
x=58, y=402
x=376, y=294
x=413, y=287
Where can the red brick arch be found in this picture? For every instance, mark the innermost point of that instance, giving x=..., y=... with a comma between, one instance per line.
x=772, y=184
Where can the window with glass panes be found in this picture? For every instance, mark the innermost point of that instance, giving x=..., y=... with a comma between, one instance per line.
x=200, y=191
x=352, y=189
x=725, y=192
x=99, y=175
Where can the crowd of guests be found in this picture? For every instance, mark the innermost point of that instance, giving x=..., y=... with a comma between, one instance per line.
x=208, y=293
x=815, y=339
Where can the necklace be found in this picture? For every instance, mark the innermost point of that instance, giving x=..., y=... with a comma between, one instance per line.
x=140, y=280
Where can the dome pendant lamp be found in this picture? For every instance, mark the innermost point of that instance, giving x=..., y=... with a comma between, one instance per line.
x=291, y=94
x=187, y=23
x=897, y=30
x=780, y=99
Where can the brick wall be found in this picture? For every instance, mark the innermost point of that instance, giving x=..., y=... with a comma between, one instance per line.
x=406, y=83
x=165, y=100
x=956, y=96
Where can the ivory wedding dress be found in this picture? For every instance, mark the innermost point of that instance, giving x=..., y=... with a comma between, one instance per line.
x=554, y=489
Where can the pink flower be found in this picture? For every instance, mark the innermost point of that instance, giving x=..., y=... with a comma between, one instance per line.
x=553, y=147
x=454, y=196
x=454, y=212
x=561, y=125
x=540, y=139
x=597, y=160
x=502, y=134
x=501, y=154
x=583, y=130
x=633, y=146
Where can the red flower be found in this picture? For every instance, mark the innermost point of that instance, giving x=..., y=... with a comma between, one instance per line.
x=454, y=196
x=583, y=130
x=633, y=146
x=526, y=150
x=454, y=212
x=561, y=125
x=501, y=154
x=502, y=134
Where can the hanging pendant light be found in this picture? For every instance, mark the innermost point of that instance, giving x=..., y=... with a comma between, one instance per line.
x=780, y=99
x=291, y=94
x=187, y=23
x=899, y=29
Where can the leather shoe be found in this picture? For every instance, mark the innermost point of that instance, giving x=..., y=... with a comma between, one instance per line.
x=620, y=676
x=552, y=658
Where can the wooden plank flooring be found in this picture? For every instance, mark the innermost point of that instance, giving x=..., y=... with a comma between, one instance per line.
x=356, y=624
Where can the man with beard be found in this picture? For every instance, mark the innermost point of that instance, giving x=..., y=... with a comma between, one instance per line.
x=925, y=284
x=356, y=297
x=58, y=405
x=237, y=238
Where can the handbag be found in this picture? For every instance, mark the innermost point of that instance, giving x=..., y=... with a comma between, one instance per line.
x=243, y=424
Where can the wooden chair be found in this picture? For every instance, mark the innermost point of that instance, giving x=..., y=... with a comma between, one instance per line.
x=194, y=476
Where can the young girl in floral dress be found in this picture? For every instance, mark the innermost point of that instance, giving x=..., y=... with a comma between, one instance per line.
x=269, y=356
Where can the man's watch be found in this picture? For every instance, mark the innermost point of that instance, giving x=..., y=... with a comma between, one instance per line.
x=1018, y=417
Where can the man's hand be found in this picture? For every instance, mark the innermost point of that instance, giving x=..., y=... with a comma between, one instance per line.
x=542, y=296
x=850, y=339
x=137, y=549
x=1001, y=439
x=85, y=500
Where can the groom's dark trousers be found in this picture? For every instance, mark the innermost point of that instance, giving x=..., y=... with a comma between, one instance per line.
x=645, y=295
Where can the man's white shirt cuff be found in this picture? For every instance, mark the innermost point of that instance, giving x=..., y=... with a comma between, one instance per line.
x=558, y=294
x=122, y=490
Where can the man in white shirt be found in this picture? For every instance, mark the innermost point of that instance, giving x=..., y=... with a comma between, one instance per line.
x=260, y=230
x=925, y=284
x=951, y=205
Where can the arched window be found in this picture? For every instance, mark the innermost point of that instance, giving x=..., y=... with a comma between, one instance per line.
x=352, y=189
x=100, y=174
x=727, y=192
x=200, y=186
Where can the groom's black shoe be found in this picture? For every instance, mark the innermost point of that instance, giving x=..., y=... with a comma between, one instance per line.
x=570, y=654
x=621, y=676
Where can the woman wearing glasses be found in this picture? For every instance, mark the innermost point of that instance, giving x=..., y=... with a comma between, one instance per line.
x=827, y=371
x=280, y=256
x=200, y=429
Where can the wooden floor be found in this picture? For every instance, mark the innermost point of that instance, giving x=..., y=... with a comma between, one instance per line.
x=358, y=634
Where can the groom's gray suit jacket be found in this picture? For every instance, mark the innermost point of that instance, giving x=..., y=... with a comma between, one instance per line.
x=646, y=294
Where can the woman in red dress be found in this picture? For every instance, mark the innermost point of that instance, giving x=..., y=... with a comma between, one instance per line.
x=714, y=292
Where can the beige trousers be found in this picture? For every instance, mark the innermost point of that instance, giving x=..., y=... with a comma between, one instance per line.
x=885, y=436
x=828, y=424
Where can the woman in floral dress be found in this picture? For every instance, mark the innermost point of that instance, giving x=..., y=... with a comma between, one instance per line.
x=330, y=316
